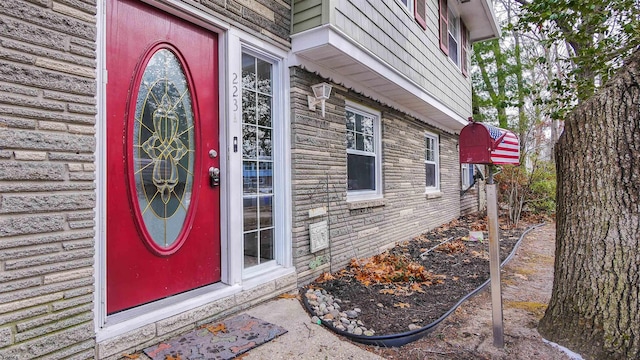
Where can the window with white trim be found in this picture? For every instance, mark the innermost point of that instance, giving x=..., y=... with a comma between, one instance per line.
x=364, y=174
x=407, y=4
x=454, y=36
x=432, y=162
x=419, y=10
x=467, y=173
x=453, y=31
x=465, y=50
x=257, y=160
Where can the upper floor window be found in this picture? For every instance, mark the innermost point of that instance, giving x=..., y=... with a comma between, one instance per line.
x=453, y=30
x=408, y=4
x=419, y=10
x=454, y=38
x=464, y=49
x=432, y=162
x=364, y=174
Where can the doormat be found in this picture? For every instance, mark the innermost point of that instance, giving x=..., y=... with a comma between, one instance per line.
x=224, y=340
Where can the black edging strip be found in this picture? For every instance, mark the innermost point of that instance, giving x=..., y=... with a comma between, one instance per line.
x=399, y=339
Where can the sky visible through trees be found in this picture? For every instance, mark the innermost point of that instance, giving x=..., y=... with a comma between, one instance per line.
x=552, y=55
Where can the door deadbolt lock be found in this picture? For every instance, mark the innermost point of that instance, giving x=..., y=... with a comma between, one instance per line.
x=214, y=176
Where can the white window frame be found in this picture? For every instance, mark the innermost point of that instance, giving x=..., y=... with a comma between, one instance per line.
x=408, y=6
x=276, y=111
x=278, y=151
x=436, y=161
x=358, y=195
x=457, y=35
x=466, y=175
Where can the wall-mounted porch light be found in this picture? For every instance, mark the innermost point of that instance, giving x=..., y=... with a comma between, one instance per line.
x=321, y=93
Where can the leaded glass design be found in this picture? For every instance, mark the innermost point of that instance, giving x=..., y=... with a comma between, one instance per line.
x=257, y=164
x=163, y=147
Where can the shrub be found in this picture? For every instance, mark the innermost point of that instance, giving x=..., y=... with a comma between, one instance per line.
x=531, y=190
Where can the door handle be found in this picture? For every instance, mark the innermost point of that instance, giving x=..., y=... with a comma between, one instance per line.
x=214, y=177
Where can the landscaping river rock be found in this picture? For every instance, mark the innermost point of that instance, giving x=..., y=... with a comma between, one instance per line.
x=328, y=308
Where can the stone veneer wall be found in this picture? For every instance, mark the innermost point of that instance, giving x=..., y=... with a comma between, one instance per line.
x=469, y=201
x=319, y=179
x=47, y=171
x=269, y=19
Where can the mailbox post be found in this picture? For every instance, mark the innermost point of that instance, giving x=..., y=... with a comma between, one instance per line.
x=485, y=144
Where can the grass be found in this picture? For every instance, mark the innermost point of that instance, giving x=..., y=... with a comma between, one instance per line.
x=535, y=308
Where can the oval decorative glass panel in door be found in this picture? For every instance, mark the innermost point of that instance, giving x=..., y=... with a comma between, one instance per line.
x=163, y=150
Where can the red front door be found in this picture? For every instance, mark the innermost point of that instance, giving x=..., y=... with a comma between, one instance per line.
x=163, y=209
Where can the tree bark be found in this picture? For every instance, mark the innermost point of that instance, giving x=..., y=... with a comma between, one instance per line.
x=595, y=304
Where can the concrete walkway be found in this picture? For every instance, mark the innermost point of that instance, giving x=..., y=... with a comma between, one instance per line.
x=304, y=340
x=526, y=280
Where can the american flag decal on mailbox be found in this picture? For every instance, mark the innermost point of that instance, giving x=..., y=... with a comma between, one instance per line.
x=507, y=148
x=485, y=144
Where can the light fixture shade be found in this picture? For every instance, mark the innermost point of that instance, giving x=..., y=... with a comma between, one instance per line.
x=321, y=91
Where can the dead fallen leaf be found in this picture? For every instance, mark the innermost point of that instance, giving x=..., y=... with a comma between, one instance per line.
x=131, y=356
x=169, y=357
x=401, y=305
x=325, y=276
x=387, y=291
x=288, y=296
x=214, y=329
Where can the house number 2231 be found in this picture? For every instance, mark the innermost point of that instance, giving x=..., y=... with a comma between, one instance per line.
x=234, y=91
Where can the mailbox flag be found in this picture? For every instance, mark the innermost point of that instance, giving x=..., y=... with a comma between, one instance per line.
x=507, y=150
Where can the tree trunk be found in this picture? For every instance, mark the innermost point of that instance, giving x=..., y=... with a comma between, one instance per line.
x=595, y=305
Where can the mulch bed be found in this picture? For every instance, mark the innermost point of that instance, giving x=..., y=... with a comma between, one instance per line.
x=399, y=287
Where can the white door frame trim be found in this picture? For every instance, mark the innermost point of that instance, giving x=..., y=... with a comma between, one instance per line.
x=231, y=41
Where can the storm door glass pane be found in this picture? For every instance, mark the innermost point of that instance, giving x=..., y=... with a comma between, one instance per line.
x=264, y=143
x=163, y=147
x=250, y=177
x=266, y=211
x=266, y=245
x=250, y=213
x=251, y=249
x=257, y=154
x=249, y=142
x=264, y=110
x=263, y=70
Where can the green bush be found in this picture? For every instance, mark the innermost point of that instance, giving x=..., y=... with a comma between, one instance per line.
x=543, y=189
x=523, y=190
